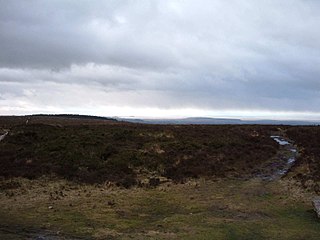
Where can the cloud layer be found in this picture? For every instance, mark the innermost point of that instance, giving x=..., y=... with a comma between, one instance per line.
x=86, y=56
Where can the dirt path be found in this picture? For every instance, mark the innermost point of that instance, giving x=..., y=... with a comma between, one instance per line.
x=282, y=162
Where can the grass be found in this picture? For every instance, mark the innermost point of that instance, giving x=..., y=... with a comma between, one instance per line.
x=198, y=209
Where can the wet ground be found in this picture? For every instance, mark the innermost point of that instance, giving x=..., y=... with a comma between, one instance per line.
x=3, y=136
x=282, y=162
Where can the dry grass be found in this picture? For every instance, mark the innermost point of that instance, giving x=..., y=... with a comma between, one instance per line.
x=198, y=209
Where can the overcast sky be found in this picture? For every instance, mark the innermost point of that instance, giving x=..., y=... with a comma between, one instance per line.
x=217, y=58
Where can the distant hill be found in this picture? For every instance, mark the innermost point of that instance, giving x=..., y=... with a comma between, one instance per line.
x=217, y=121
x=73, y=116
x=55, y=119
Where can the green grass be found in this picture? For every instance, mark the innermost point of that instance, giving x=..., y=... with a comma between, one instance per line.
x=199, y=209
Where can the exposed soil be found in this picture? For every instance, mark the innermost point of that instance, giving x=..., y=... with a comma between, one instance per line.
x=279, y=165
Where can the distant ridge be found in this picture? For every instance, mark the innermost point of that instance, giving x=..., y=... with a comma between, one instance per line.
x=73, y=116
x=217, y=121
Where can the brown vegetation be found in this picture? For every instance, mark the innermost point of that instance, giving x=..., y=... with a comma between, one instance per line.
x=307, y=168
x=43, y=161
x=95, y=151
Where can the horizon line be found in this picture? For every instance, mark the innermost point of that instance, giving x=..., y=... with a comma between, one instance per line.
x=243, y=118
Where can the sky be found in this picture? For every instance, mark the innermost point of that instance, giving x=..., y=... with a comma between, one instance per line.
x=161, y=58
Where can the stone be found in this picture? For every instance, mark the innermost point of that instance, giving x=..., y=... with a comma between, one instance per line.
x=316, y=205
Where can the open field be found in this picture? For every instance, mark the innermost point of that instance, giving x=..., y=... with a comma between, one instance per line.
x=64, y=178
x=198, y=209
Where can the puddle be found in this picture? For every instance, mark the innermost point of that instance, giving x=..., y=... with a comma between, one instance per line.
x=280, y=140
x=3, y=136
x=284, y=161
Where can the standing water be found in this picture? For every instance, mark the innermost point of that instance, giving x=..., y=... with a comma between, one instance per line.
x=284, y=160
x=3, y=136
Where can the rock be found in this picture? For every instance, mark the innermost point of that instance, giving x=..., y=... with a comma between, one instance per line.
x=50, y=207
x=316, y=206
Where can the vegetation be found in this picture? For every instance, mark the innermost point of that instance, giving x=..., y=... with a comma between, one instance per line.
x=198, y=209
x=307, y=168
x=81, y=178
x=120, y=152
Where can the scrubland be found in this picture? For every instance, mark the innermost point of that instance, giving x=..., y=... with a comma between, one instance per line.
x=82, y=178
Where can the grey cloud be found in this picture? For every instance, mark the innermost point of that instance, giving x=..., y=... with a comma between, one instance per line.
x=168, y=54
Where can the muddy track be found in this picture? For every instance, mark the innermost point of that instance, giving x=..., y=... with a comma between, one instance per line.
x=278, y=166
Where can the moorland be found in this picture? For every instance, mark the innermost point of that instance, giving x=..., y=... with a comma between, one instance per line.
x=81, y=177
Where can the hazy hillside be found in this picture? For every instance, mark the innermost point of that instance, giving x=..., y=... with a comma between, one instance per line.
x=217, y=121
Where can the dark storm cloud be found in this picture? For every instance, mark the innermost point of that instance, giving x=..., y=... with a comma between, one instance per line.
x=247, y=55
